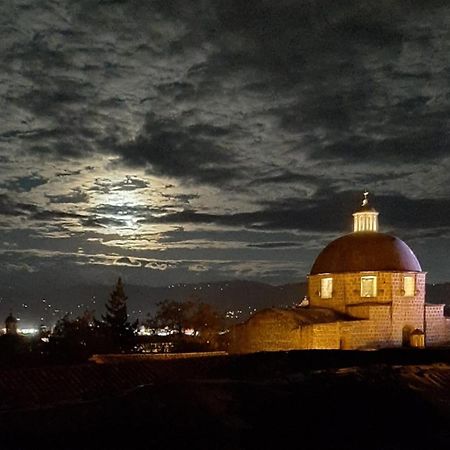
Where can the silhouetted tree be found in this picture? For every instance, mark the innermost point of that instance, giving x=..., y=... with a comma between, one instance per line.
x=205, y=321
x=76, y=338
x=151, y=322
x=116, y=309
x=13, y=348
x=116, y=319
x=174, y=315
x=194, y=315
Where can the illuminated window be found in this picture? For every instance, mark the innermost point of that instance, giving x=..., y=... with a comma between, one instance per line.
x=326, y=287
x=369, y=286
x=409, y=287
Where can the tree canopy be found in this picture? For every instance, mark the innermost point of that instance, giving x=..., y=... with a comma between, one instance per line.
x=200, y=318
x=116, y=318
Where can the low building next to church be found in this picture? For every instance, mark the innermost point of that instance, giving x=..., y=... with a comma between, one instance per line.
x=366, y=289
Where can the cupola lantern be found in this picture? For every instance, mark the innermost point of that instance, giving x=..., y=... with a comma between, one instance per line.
x=366, y=218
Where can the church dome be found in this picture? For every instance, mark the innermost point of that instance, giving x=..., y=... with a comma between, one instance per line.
x=366, y=251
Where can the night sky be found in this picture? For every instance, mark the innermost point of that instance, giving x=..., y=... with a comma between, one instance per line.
x=187, y=141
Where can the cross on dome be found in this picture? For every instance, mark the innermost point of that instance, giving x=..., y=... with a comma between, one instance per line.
x=366, y=200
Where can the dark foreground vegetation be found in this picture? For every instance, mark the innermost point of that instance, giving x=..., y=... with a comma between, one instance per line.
x=187, y=326
x=52, y=396
x=301, y=400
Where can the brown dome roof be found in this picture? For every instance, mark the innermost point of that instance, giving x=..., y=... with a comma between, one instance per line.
x=366, y=251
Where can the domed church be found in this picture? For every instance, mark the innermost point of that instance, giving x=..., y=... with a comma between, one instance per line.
x=366, y=289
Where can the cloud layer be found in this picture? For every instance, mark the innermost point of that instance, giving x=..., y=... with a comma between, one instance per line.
x=194, y=140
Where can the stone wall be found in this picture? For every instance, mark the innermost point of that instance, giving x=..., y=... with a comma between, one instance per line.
x=347, y=289
x=388, y=325
x=267, y=337
x=385, y=320
x=267, y=331
x=359, y=311
x=326, y=335
x=376, y=332
x=437, y=325
x=407, y=315
x=391, y=315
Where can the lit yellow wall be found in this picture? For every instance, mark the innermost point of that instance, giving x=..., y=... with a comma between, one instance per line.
x=387, y=323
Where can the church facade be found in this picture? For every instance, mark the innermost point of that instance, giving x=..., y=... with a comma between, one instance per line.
x=366, y=289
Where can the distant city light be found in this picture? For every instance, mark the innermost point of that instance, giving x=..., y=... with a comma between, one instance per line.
x=27, y=331
x=147, y=331
x=24, y=331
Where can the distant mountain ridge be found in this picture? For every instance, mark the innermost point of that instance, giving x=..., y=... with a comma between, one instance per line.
x=224, y=296
x=231, y=295
x=237, y=295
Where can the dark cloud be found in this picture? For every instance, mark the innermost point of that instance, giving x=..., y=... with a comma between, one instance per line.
x=24, y=184
x=339, y=74
x=50, y=215
x=189, y=152
x=286, y=176
x=288, y=214
x=68, y=173
x=405, y=213
x=225, y=235
x=218, y=133
x=76, y=196
x=280, y=245
x=102, y=222
x=417, y=145
x=8, y=207
x=181, y=198
x=326, y=214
